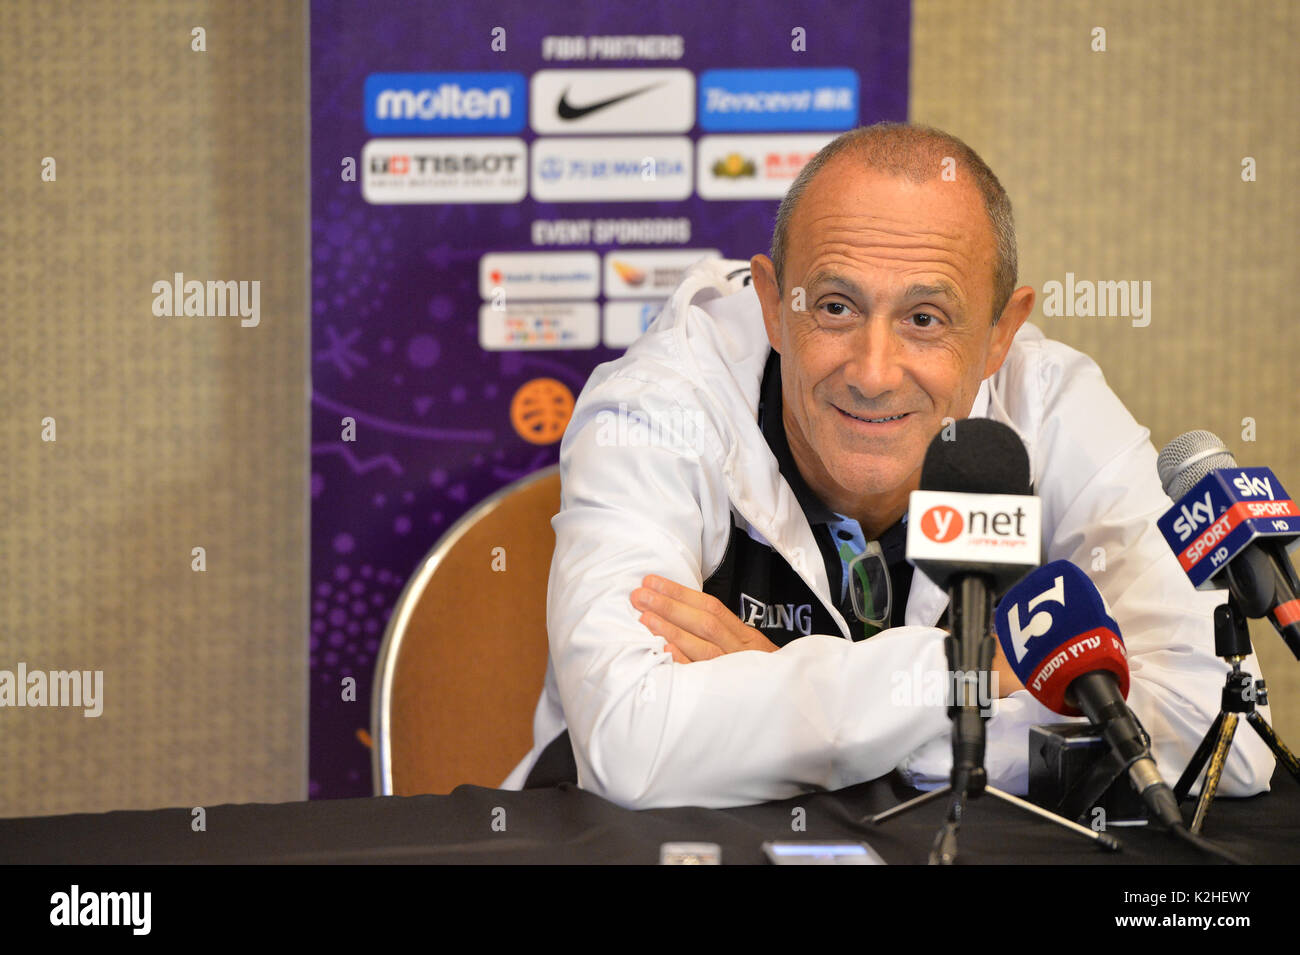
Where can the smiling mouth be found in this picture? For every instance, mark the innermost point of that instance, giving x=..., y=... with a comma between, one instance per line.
x=872, y=420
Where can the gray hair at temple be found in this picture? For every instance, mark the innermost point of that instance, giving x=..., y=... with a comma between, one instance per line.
x=915, y=153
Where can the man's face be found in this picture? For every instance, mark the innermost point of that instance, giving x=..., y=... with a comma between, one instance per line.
x=893, y=322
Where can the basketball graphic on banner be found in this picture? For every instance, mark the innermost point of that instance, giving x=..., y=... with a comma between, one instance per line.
x=540, y=410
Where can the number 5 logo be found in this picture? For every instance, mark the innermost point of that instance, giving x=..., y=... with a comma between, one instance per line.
x=1039, y=623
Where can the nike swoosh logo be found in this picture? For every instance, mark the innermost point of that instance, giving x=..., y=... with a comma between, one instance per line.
x=570, y=112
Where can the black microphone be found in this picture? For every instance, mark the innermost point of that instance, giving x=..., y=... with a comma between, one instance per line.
x=1231, y=526
x=973, y=528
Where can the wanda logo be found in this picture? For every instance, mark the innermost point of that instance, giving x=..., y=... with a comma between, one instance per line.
x=941, y=524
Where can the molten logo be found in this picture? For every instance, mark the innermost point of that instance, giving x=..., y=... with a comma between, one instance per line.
x=941, y=524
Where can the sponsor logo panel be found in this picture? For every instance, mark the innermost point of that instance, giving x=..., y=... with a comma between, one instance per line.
x=612, y=101
x=538, y=275
x=753, y=167
x=435, y=104
x=444, y=170
x=645, y=273
x=654, y=168
x=539, y=326
x=625, y=322
x=781, y=99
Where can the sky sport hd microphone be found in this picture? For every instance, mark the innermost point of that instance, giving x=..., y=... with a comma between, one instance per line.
x=973, y=528
x=1064, y=645
x=1230, y=527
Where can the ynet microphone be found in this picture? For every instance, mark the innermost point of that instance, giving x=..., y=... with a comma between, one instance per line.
x=975, y=514
x=1230, y=527
x=1064, y=646
x=973, y=528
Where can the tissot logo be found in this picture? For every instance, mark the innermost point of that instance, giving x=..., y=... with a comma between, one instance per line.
x=764, y=616
x=444, y=170
x=941, y=524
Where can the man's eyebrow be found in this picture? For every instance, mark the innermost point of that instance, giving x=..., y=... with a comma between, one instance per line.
x=940, y=288
x=837, y=281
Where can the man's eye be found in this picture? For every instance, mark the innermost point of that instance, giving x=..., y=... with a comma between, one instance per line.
x=836, y=309
x=925, y=320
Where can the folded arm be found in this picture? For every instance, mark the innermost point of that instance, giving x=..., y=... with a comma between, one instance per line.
x=820, y=713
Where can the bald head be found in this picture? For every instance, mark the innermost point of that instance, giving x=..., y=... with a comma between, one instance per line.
x=917, y=154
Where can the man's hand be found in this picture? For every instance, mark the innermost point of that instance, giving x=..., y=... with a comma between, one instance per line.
x=1008, y=682
x=696, y=625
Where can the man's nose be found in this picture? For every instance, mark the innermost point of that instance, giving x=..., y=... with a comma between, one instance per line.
x=874, y=368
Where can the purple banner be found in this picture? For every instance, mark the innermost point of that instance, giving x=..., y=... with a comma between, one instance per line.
x=502, y=197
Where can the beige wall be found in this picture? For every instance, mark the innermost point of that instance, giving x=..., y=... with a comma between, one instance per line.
x=171, y=433
x=175, y=433
x=1126, y=164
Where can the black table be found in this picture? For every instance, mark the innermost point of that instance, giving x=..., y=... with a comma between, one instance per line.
x=566, y=825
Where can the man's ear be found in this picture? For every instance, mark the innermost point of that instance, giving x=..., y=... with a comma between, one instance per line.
x=1013, y=316
x=769, y=297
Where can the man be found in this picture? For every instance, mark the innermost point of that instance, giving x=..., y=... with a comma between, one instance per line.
x=717, y=630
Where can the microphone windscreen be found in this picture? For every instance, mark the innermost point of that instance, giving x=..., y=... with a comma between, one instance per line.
x=1054, y=626
x=982, y=457
x=1188, y=458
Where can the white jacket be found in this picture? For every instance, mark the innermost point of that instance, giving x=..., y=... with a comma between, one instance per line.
x=823, y=712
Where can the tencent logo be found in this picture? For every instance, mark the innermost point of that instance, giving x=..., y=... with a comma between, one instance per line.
x=942, y=524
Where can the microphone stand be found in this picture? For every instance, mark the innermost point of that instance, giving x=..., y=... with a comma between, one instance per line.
x=970, y=650
x=1240, y=694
